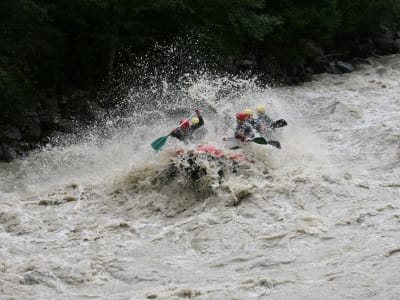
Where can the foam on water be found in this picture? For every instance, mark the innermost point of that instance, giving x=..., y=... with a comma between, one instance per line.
x=90, y=218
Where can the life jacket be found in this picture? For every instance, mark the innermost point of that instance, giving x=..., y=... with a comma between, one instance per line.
x=182, y=135
x=263, y=124
x=244, y=130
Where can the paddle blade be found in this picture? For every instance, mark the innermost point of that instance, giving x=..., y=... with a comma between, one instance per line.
x=262, y=141
x=259, y=140
x=158, y=143
x=278, y=124
x=275, y=144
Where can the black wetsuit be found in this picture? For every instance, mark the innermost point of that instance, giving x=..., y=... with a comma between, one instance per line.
x=187, y=135
x=244, y=130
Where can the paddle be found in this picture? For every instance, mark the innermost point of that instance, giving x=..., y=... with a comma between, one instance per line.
x=158, y=143
x=279, y=123
x=259, y=140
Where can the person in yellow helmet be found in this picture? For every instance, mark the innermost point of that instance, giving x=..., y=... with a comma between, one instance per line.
x=263, y=121
x=194, y=121
x=250, y=117
x=264, y=124
x=187, y=127
x=198, y=131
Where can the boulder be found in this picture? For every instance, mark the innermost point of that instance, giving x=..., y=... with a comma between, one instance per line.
x=344, y=67
x=32, y=129
x=360, y=61
x=396, y=45
x=384, y=45
x=331, y=68
x=10, y=133
x=384, y=42
x=363, y=48
x=9, y=153
x=318, y=65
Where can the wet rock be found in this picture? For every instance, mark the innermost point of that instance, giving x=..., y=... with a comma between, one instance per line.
x=385, y=41
x=32, y=129
x=11, y=220
x=393, y=251
x=396, y=45
x=318, y=65
x=11, y=133
x=37, y=277
x=344, y=67
x=364, y=48
x=331, y=68
x=69, y=198
x=360, y=61
x=31, y=278
x=9, y=153
x=247, y=63
x=187, y=293
x=384, y=45
x=73, y=185
x=347, y=176
x=3, y=266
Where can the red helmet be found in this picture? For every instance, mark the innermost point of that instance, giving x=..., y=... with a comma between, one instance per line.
x=184, y=123
x=241, y=116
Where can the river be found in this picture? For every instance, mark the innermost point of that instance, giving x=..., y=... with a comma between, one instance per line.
x=318, y=219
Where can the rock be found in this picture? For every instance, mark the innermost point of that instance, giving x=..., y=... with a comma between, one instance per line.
x=69, y=198
x=347, y=176
x=344, y=67
x=247, y=63
x=9, y=153
x=360, y=61
x=362, y=48
x=384, y=45
x=318, y=65
x=331, y=68
x=22, y=147
x=32, y=129
x=306, y=76
x=396, y=45
x=11, y=133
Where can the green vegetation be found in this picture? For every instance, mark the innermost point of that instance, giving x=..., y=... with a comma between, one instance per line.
x=52, y=50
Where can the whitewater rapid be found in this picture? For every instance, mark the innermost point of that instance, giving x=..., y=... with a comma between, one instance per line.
x=318, y=219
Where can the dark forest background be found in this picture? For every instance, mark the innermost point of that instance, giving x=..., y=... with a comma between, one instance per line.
x=59, y=56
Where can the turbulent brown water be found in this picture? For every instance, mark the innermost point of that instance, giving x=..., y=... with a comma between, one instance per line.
x=318, y=219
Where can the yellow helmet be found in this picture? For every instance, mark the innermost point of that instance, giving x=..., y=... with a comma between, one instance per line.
x=260, y=108
x=194, y=120
x=248, y=112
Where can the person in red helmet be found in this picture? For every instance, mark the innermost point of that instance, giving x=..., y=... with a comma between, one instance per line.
x=244, y=130
x=185, y=130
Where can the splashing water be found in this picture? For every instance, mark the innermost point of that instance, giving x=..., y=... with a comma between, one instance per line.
x=92, y=218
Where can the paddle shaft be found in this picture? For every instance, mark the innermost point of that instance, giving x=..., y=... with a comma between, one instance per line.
x=158, y=143
x=258, y=140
